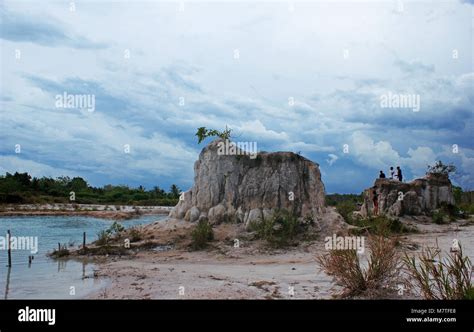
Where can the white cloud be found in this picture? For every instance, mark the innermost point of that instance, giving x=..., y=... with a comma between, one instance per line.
x=258, y=131
x=418, y=160
x=332, y=159
x=373, y=154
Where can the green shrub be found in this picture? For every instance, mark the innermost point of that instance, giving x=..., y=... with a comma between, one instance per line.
x=279, y=230
x=201, y=235
x=115, y=228
x=466, y=208
x=446, y=213
x=381, y=225
x=61, y=252
x=345, y=209
x=134, y=235
x=439, y=217
x=457, y=193
x=451, y=210
x=103, y=238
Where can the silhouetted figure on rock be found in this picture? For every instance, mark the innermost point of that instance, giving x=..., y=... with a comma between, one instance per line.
x=399, y=174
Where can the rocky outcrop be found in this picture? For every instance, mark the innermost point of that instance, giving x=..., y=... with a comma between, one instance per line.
x=420, y=196
x=245, y=188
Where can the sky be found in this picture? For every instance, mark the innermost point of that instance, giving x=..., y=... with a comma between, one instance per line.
x=306, y=77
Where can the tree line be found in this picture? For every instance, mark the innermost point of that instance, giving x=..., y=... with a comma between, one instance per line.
x=25, y=189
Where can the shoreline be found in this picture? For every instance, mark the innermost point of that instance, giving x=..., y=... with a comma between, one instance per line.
x=115, y=212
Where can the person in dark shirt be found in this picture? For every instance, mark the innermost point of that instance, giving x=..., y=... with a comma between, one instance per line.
x=399, y=174
x=382, y=175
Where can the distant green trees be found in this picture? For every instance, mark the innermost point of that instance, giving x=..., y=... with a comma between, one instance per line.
x=174, y=191
x=22, y=188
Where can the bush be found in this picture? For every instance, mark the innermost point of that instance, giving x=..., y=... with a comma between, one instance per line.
x=345, y=209
x=382, y=225
x=201, y=235
x=466, y=208
x=457, y=193
x=445, y=214
x=103, y=238
x=134, y=235
x=115, y=228
x=61, y=252
x=439, y=217
x=441, y=279
x=278, y=230
x=382, y=271
x=441, y=169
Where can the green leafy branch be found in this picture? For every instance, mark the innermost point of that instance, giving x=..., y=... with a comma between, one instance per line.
x=202, y=133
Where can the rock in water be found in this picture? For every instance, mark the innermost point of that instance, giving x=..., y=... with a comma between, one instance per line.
x=421, y=196
x=243, y=189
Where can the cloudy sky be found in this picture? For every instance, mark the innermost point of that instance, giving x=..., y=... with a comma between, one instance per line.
x=305, y=77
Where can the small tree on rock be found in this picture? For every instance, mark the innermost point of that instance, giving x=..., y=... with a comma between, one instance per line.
x=441, y=169
x=202, y=133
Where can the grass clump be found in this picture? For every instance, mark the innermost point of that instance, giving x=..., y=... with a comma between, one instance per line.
x=115, y=228
x=438, y=278
x=381, y=225
x=446, y=213
x=134, y=234
x=201, y=235
x=467, y=208
x=439, y=217
x=62, y=251
x=279, y=230
x=345, y=209
x=382, y=271
x=103, y=237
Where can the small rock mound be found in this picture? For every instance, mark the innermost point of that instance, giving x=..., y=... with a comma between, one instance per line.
x=244, y=189
x=421, y=196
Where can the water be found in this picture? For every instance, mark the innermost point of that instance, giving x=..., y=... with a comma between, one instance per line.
x=47, y=278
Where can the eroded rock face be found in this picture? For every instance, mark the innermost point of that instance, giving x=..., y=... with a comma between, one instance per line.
x=420, y=196
x=243, y=189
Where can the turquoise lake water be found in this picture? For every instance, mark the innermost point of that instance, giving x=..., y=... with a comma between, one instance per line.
x=47, y=278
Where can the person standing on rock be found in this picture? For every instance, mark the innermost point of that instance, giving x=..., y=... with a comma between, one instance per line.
x=392, y=173
x=382, y=175
x=399, y=174
x=375, y=200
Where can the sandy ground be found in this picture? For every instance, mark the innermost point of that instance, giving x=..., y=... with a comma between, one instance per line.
x=181, y=275
x=441, y=236
x=251, y=271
